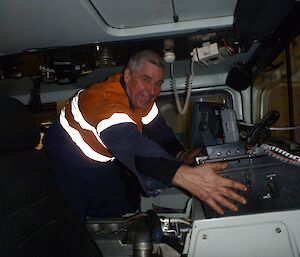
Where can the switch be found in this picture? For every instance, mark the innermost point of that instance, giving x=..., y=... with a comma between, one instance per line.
x=273, y=188
x=248, y=178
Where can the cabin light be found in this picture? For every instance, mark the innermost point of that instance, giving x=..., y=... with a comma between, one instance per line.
x=168, y=51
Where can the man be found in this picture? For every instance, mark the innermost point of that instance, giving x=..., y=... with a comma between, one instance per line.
x=111, y=135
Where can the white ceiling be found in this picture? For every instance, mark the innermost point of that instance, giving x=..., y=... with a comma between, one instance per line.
x=133, y=13
x=33, y=24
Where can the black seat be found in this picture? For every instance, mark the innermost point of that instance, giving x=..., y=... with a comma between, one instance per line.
x=34, y=220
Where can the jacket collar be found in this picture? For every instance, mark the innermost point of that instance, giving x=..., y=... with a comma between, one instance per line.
x=124, y=87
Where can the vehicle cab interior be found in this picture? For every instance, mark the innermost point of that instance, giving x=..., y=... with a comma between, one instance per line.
x=232, y=85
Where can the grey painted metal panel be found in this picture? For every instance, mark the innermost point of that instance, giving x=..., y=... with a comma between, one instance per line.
x=32, y=24
x=137, y=13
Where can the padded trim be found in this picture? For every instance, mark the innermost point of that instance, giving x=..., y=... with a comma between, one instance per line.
x=21, y=131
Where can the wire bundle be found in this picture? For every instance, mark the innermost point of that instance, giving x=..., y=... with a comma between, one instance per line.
x=281, y=154
x=261, y=129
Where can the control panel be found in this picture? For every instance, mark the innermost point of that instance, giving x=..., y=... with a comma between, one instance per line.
x=272, y=185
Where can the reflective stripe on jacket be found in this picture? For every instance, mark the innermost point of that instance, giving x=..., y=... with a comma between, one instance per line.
x=97, y=108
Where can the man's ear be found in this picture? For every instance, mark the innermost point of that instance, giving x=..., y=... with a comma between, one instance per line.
x=127, y=75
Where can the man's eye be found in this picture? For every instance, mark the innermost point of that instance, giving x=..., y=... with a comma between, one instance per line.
x=146, y=80
x=159, y=84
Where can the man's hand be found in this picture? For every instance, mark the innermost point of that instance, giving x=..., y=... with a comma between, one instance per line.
x=203, y=182
x=189, y=156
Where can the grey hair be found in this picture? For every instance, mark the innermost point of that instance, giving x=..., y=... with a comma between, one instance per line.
x=145, y=55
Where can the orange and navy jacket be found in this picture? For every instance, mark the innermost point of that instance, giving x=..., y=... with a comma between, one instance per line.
x=104, y=124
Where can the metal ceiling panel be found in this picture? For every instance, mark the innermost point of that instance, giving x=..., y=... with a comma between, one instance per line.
x=33, y=24
x=137, y=13
x=134, y=13
x=197, y=10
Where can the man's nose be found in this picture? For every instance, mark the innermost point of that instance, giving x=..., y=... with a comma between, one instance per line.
x=151, y=88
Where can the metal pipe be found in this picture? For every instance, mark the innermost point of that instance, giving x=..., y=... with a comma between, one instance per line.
x=290, y=90
x=139, y=234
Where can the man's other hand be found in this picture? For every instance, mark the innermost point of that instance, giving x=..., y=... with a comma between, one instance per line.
x=189, y=156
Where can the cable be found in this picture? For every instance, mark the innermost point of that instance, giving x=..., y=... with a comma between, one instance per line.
x=174, y=220
x=260, y=130
x=271, y=128
x=230, y=50
x=285, y=128
x=281, y=154
x=182, y=110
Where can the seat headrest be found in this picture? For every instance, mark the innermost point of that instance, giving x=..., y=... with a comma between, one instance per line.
x=18, y=129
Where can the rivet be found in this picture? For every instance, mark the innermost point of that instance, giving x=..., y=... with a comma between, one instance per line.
x=278, y=230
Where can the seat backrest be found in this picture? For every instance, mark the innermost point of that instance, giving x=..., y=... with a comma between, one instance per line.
x=34, y=220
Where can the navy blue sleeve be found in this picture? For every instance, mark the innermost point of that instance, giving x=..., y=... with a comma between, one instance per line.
x=139, y=153
x=161, y=133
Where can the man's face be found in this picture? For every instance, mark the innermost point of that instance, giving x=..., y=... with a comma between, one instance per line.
x=143, y=85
